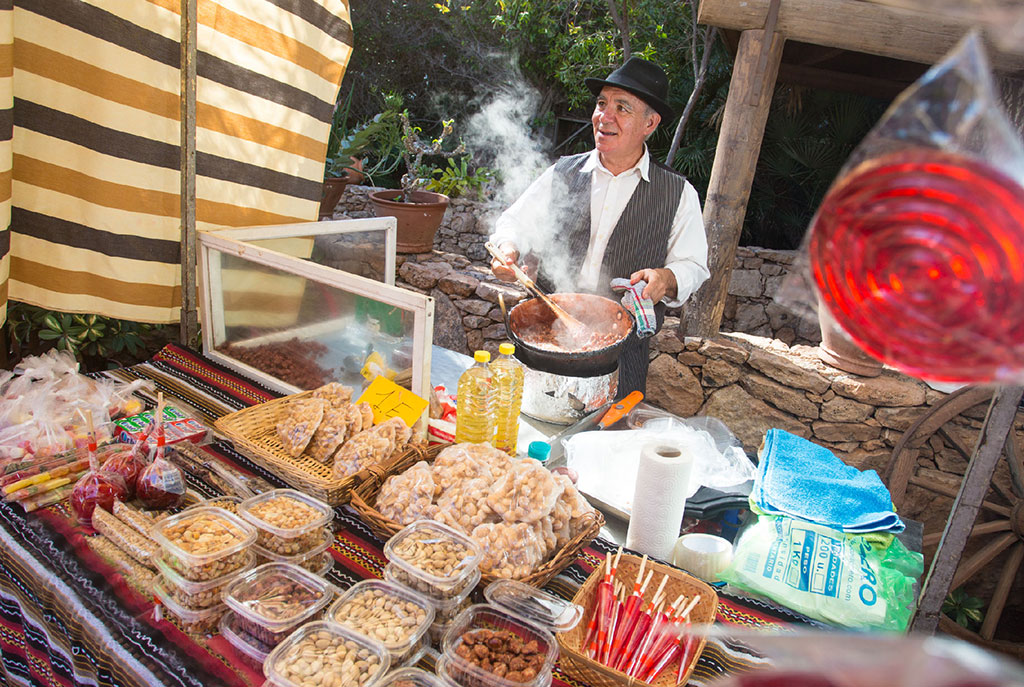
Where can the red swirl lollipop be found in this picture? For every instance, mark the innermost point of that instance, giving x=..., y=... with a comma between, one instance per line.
x=919, y=255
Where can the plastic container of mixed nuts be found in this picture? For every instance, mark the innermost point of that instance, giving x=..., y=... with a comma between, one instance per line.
x=198, y=595
x=288, y=522
x=445, y=609
x=311, y=560
x=433, y=559
x=326, y=654
x=204, y=543
x=391, y=614
x=512, y=634
x=194, y=621
x=273, y=599
x=252, y=650
x=410, y=677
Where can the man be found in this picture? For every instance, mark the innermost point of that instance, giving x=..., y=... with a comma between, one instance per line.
x=613, y=212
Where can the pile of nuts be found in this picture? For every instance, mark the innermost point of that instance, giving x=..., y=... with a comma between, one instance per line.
x=286, y=513
x=324, y=659
x=388, y=618
x=294, y=360
x=434, y=555
x=201, y=536
x=503, y=653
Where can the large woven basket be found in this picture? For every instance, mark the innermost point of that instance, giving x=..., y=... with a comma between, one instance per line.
x=577, y=664
x=364, y=499
x=253, y=431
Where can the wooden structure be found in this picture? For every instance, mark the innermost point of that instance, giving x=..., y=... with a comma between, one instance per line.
x=765, y=27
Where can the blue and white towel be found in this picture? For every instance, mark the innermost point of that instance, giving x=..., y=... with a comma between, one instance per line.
x=798, y=478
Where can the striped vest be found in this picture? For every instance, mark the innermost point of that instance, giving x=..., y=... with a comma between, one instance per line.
x=639, y=239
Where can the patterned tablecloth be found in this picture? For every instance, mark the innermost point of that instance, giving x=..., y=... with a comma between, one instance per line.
x=67, y=617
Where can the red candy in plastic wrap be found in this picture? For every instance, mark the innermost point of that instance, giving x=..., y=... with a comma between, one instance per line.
x=128, y=464
x=919, y=254
x=160, y=484
x=96, y=488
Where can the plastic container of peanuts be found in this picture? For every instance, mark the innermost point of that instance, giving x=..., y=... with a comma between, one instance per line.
x=287, y=521
x=198, y=595
x=523, y=619
x=252, y=650
x=204, y=543
x=433, y=559
x=310, y=560
x=410, y=677
x=193, y=621
x=445, y=609
x=326, y=654
x=273, y=599
x=389, y=613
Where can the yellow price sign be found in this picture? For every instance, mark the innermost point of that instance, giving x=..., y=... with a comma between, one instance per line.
x=390, y=400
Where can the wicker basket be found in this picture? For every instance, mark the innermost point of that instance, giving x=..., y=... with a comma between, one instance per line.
x=253, y=431
x=365, y=494
x=577, y=664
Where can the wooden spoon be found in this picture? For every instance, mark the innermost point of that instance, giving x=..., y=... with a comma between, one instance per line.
x=577, y=329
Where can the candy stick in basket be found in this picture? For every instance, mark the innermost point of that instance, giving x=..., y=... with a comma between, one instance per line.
x=605, y=591
x=631, y=611
x=613, y=620
x=667, y=647
x=654, y=633
x=635, y=637
x=688, y=644
x=610, y=616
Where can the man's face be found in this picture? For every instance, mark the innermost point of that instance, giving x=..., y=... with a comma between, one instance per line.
x=621, y=123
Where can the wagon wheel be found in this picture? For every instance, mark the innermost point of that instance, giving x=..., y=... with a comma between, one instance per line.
x=998, y=536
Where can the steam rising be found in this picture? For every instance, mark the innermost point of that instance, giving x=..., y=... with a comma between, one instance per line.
x=501, y=135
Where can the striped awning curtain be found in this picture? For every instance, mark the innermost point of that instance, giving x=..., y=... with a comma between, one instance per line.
x=89, y=149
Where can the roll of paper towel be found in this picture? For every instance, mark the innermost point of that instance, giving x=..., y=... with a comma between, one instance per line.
x=659, y=499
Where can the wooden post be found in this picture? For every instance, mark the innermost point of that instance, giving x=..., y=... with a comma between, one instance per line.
x=739, y=142
x=189, y=323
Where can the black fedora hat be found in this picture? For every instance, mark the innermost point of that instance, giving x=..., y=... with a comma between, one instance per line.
x=643, y=79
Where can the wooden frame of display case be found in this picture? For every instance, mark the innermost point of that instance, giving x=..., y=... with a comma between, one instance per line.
x=237, y=243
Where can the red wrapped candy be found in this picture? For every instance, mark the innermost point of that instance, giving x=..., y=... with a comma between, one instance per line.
x=129, y=464
x=160, y=484
x=96, y=488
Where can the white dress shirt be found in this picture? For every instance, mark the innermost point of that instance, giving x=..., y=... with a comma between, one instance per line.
x=687, y=244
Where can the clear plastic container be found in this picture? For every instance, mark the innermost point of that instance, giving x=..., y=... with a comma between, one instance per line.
x=198, y=595
x=307, y=559
x=204, y=543
x=273, y=599
x=529, y=615
x=445, y=609
x=252, y=650
x=414, y=554
x=192, y=621
x=346, y=658
x=410, y=677
x=389, y=613
x=228, y=503
x=288, y=522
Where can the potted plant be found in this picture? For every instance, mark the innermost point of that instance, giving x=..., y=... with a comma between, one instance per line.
x=418, y=212
x=346, y=148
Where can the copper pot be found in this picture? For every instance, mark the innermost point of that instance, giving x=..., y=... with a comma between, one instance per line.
x=532, y=322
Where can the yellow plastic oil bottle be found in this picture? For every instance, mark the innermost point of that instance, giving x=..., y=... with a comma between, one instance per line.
x=474, y=420
x=508, y=376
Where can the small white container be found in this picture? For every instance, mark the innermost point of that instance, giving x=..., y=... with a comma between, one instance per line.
x=702, y=555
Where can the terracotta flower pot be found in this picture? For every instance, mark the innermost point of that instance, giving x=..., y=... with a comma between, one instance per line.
x=334, y=188
x=418, y=220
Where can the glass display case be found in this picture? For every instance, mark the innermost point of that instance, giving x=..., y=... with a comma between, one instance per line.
x=297, y=306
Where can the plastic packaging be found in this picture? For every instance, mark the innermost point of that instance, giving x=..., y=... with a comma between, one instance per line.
x=204, y=543
x=445, y=607
x=198, y=595
x=464, y=505
x=129, y=464
x=389, y=613
x=160, y=484
x=436, y=559
x=509, y=549
x=287, y=521
x=508, y=375
x=274, y=599
x=310, y=559
x=252, y=650
x=138, y=546
x=848, y=580
x=96, y=489
x=349, y=658
x=460, y=462
x=409, y=496
x=193, y=621
x=410, y=677
x=474, y=421
x=526, y=493
x=915, y=250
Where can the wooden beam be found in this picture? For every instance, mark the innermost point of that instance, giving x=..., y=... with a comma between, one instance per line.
x=859, y=25
x=188, y=324
x=739, y=143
